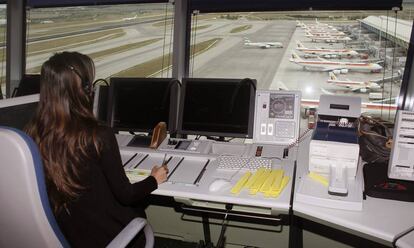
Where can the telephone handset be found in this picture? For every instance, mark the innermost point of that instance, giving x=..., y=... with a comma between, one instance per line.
x=277, y=117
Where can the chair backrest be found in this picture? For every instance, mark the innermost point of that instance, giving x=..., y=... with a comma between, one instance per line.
x=26, y=219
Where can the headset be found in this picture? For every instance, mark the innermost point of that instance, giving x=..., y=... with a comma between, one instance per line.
x=86, y=85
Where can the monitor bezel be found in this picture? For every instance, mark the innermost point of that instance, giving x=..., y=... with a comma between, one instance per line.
x=249, y=134
x=17, y=101
x=114, y=81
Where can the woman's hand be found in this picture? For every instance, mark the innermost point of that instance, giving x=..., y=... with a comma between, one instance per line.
x=160, y=173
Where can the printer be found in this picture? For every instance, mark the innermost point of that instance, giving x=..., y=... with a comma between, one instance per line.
x=334, y=148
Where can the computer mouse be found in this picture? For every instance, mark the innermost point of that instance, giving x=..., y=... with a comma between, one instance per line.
x=218, y=184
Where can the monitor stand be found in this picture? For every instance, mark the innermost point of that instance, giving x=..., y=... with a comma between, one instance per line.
x=140, y=141
x=219, y=138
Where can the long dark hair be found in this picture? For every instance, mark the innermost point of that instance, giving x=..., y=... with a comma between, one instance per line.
x=64, y=126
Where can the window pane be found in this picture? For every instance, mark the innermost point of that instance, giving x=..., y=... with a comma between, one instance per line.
x=317, y=52
x=3, y=26
x=123, y=40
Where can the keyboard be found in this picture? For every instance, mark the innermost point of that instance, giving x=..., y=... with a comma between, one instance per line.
x=242, y=163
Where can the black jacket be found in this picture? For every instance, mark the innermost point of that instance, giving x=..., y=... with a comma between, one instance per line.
x=109, y=201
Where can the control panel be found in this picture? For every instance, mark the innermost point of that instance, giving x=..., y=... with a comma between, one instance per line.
x=184, y=145
x=277, y=116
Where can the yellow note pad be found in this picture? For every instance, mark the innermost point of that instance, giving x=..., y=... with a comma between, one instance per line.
x=255, y=176
x=276, y=193
x=259, y=182
x=136, y=175
x=242, y=181
x=269, y=181
x=319, y=178
x=277, y=183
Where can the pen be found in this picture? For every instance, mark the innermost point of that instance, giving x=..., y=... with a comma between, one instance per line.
x=164, y=160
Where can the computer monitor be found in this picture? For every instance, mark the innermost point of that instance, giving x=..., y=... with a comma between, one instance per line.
x=139, y=104
x=17, y=111
x=217, y=107
x=29, y=85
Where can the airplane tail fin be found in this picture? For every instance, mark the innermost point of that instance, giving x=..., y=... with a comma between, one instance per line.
x=246, y=40
x=299, y=44
x=295, y=57
x=332, y=76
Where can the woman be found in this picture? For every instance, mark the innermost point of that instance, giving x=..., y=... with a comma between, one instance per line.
x=89, y=192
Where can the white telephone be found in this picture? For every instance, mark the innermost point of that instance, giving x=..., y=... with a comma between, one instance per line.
x=277, y=115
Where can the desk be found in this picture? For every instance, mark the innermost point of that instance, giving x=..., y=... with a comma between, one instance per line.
x=192, y=193
x=380, y=220
x=406, y=241
x=246, y=208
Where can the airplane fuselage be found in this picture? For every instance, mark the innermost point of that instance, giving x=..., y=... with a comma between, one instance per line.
x=333, y=65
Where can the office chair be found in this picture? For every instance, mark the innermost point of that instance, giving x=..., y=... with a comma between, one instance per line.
x=26, y=218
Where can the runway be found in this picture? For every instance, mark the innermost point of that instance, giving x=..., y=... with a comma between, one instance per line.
x=229, y=58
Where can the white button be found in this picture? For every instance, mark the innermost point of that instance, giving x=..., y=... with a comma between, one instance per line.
x=263, y=129
x=270, y=129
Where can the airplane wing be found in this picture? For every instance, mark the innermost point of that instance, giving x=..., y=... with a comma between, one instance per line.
x=321, y=59
x=356, y=88
x=328, y=69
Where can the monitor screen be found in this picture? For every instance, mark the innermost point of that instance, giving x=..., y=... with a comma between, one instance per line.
x=29, y=85
x=18, y=111
x=139, y=104
x=217, y=107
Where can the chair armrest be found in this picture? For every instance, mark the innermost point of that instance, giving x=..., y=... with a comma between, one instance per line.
x=130, y=231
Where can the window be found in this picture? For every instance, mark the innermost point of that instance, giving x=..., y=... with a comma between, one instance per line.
x=123, y=40
x=357, y=53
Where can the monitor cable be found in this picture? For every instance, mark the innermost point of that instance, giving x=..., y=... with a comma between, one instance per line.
x=168, y=91
x=237, y=89
x=409, y=230
x=221, y=240
x=98, y=81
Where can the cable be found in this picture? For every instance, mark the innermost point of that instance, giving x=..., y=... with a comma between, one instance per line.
x=220, y=242
x=195, y=14
x=385, y=60
x=297, y=141
x=393, y=61
x=165, y=34
x=100, y=80
x=3, y=63
x=394, y=242
x=170, y=47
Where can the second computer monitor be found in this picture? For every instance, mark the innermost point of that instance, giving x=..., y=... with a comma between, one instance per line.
x=217, y=107
x=139, y=104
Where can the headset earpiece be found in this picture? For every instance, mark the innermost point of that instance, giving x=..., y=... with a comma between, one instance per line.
x=86, y=85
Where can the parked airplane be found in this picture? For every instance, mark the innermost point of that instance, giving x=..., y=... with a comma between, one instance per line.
x=359, y=86
x=328, y=39
x=324, y=32
x=335, y=66
x=263, y=45
x=326, y=53
x=130, y=18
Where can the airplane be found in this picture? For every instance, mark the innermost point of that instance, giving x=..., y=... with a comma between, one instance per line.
x=335, y=66
x=263, y=45
x=323, y=33
x=355, y=86
x=328, y=39
x=326, y=53
x=130, y=18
